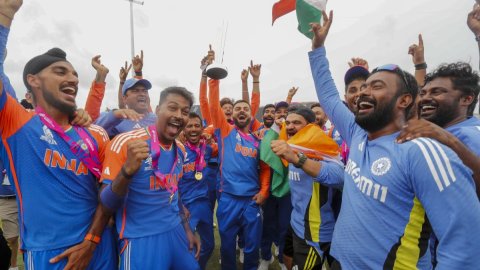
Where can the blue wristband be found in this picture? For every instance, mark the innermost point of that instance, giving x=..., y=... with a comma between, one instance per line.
x=110, y=199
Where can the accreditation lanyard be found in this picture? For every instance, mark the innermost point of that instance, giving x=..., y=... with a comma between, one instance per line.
x=200, y=152
x=248, y=138
x=88, y=155
x=170, y=186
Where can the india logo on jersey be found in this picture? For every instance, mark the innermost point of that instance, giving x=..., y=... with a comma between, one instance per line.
x=381, y=166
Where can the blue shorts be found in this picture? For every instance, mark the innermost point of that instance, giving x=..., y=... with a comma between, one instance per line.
x=166, y=251
x=104, y=257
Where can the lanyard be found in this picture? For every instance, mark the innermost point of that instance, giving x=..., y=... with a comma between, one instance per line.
x=88, y=155
x=200, y=151
x=248, y=138
x=170, y=186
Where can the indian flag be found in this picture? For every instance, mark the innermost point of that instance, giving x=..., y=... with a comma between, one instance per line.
x=308, y=11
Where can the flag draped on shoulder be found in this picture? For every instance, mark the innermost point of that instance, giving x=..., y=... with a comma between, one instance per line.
x=308, y=11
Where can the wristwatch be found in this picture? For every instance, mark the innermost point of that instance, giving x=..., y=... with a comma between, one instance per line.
x=301, y=160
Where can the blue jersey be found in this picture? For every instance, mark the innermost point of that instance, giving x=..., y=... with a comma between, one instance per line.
x=115, y=126
x=189, y=187
x=312, y=216
x=468, y=132
x=394, y=194
x=147, y=209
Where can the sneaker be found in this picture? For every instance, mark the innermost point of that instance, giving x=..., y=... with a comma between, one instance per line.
x=264, y=264
x=241, y=256
x=283, y=266
x=275, y=250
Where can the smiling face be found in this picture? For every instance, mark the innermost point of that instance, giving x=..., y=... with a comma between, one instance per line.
x=241, y=114
x=439, y=102
x=352, y=92
x=228, y=110
x=56, y=86
x=269, y=116
x=376, y=104
x=172, y=116
x=294, y=123
x=193, y=130
x=320, y=116
x=137, y=99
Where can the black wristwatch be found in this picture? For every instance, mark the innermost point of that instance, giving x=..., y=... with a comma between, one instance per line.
x=301, y=160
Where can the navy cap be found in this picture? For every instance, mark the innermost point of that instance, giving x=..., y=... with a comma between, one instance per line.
x=355, y=72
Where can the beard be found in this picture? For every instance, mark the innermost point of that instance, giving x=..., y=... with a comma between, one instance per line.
x=443, y=115
x=65, y=108
x=268, y=122
x=242, y=125
x=379, y=118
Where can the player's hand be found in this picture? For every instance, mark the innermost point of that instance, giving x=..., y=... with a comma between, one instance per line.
x=357, y=61
x=320, y=32
x=124, y=72
x=186, y=212
x=137, y=62
x=259, y=199
x=193, y=242
x=137, y=152
x=417, y=51
x=181, y=137
x=78, y=256
x=283, y=150
x=10, y=7
x=127, y=114
x=279, y=121
x=422, y=128
x=473, y=20
x=292, y=91
x=98, y=66
x=210, y=55
x=255, y=70
x=244, y=75
x=81, y=118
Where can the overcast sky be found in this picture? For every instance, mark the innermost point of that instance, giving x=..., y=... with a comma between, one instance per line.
x=175, y=36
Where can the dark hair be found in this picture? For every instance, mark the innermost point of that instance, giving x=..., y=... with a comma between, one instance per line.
x=463, y=78
x=193, y=115
x=226, y=100
x=177, y=90
x=316, y=104
x=241, y=101
x=26, y=104
x=355, y=76
x=268, y=106
x=304, y=111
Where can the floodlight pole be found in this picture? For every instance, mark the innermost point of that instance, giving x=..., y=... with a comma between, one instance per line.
x=132, y=35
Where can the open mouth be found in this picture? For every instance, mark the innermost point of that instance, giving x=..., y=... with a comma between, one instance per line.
x=268, y=119
x=242, y=117
x=194, y=135
x=70, y=92
x=174, y=128
x=365, y=107
x=427, y=109
x=142, y=100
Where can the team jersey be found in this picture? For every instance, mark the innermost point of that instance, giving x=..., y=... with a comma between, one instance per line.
x=312, y=216
x=240, y=167
x=6, y=188
x=147, y=209
x=56, y=193
x=189, y=187
x=394, y=194
x=468, y=132
x=115, y=126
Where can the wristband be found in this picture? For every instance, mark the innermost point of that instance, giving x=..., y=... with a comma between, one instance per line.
x=122, y=82
x=301, y=160
x=256, y=82
x=125, y=174
x=93, y=238
x=138, y=73
x=421, y=66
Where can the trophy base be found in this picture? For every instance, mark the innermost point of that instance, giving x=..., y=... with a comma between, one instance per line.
x=217, y=71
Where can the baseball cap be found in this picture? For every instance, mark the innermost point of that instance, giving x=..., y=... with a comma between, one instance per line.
x=281, y=104
x=355, y=72
x=134, y=81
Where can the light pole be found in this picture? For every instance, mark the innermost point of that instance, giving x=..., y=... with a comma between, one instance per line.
x=132, y=35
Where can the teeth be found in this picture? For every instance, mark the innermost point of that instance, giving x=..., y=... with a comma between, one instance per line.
x=366, y=104
x=174, y=124
x=428, y=107
x=68, y=90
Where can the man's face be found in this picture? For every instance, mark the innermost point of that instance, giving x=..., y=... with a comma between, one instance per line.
x=227, y=110
x=193, y=130
x=281, y=115
x=241, y=114
x=269, y=116
x=137, y=99
x=352, y=93
x=57, y=85
x=320, y=116
x=376, y=104
x=294, y=123
x=440, y=103
x=172, y=116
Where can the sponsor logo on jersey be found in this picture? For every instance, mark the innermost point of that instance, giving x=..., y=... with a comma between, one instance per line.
x=148, y=164
x=367, y=186
x=293, y=176
x=381, y=166
x=48, y=136
x=137, y=125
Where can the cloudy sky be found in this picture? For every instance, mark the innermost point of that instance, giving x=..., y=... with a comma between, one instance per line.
x=175, y=36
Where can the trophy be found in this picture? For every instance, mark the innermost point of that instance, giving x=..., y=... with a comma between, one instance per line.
x=215, y=70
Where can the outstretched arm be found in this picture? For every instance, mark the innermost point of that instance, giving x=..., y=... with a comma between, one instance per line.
x=218, y=117
x=473, y=22
x=123, y=77
x=418, y=58
x=97, y=89
x=255, y=71
x=291, y=94
x=244, y=78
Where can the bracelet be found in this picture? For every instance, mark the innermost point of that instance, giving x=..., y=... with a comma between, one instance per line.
x=125, y=174
x=93, y=238
x=421, y=66
x=6, y=16
x=122, y=82
x=256, y=82
x=138, y=73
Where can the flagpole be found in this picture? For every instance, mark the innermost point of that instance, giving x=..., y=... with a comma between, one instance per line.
x=132, y=34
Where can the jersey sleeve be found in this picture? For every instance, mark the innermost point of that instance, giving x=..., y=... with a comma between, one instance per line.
x=94, y=99
x=255, y=103
x=445, y=189
x=218, y=117
x=108, y=121
x=204, y=108
x=265, y=177
x=256, y=125
x=331, y=174
x=328, y=96
x=12, y=115
x=102, y=139
x=115, y=157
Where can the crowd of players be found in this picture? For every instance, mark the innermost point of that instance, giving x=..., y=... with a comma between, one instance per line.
x=390, y=184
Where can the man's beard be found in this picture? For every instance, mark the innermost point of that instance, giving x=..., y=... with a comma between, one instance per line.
x=379, y=118
x=240, y=125
x=443, y=115
x=62, y=107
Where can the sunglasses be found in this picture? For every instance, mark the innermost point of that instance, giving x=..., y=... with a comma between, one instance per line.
x=395, y=69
